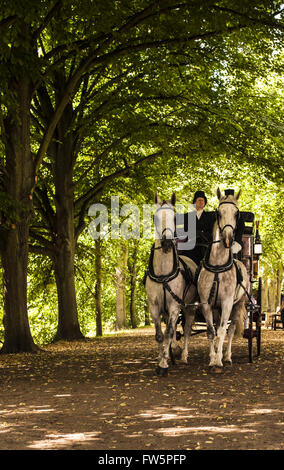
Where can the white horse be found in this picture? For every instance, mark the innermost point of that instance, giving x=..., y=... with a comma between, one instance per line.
x=169, y=284
x=222, y=282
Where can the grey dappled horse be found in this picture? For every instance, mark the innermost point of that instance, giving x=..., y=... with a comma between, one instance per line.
x=222, y=281
x=168, y=287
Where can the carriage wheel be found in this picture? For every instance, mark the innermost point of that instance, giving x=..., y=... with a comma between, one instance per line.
x=250, y=313
x=255, y=316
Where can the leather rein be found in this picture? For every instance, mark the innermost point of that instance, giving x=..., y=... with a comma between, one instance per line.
x=164, y=279
x=227, y=225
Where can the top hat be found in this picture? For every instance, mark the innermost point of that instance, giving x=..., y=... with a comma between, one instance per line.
x=229, y=192
x=199, y=194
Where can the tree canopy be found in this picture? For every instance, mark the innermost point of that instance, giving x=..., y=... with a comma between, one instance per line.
x=127, y=98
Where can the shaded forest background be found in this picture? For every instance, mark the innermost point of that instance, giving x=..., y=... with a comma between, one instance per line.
x=126, y=98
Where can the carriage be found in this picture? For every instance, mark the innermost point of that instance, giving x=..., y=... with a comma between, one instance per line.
x=221, y=287
x=249, y=256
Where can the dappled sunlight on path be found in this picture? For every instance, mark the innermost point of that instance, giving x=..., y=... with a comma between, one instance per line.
x=105, y=395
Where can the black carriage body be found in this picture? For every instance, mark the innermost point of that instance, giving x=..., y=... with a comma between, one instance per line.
x=247, y=249
x=253, y=303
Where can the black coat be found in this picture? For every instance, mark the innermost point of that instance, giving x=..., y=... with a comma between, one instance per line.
x=204, y=231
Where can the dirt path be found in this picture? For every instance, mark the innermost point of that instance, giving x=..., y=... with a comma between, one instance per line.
x=103, y=394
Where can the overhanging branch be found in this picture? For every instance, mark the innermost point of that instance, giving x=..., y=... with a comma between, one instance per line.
x=123, y=171
x=99, y=57
x=47, y=19
x=85, y=200
x=264, y=21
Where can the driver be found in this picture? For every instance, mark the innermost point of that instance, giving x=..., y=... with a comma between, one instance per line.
x=204, y=228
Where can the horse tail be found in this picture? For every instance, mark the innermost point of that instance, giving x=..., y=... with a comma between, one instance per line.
x=239, y=331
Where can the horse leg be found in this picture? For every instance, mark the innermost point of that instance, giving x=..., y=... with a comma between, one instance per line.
x=175, y=349
x=236, y=316
x=228, y=353
x=221, y=332
x=189, y=318
x=208, y=315
x=168, y=337
x=155, y=313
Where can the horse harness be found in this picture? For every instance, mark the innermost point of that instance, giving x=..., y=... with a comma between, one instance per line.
x=227, y=225
x=165, y=279
x=217, y=269
x=186, y=272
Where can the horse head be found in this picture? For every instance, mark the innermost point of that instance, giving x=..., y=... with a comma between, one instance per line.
x=227, y=216
x=164, y=220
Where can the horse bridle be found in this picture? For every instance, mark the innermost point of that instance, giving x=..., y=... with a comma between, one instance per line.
x=227, y=225
x=166, y=228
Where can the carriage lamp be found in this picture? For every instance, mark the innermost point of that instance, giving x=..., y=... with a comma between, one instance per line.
x=257, y=247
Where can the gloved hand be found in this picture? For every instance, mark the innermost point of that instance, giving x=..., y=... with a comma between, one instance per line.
x=236, y=247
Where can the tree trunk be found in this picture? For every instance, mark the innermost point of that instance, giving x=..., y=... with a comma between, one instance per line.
x=68, y=323
x=120, y=282
x=272, y=295
x=264, y=295
x=279, y=284
x=133, y=277
x=18, y=183
x=17, y=337
x=98, y=291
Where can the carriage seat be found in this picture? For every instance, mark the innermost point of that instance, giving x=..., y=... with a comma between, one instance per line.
x=249, y=218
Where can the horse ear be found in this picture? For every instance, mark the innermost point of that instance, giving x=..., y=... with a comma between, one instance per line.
x=157, y=199
x=173, y=199
x=238, y=194
x=219, y=195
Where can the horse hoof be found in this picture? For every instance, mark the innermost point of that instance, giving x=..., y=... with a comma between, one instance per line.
x=228, y=363
x=216, y=369
x=162, y=371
